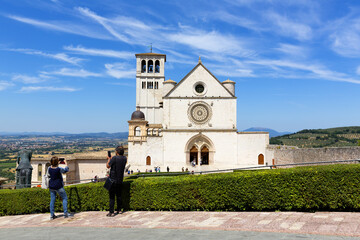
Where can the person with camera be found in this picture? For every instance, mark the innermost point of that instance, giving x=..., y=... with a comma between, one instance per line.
x=117, y=167
x=56, y=185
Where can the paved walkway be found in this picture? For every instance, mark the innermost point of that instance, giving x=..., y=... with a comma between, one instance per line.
x=183, y=225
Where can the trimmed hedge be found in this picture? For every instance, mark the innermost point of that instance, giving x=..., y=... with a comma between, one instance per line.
x=330, y=188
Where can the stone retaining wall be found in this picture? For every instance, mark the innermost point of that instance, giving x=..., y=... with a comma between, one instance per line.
x=286, y=155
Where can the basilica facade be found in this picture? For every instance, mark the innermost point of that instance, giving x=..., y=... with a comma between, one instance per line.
x=190, y=124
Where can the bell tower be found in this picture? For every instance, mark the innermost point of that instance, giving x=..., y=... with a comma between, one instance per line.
x=150, y=75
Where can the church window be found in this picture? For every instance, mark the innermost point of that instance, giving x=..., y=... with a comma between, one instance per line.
x=143, y=66
x=143, y=85
x=204, y=156
x=157, y=66
x=149, y=132
x=137, y=132
x=261, y=159
x=148, y=160
x=199, y=88
x=150, y=85
x=40, y=172
x=193, y=155
x=150, y=66
x=156, y=85
x=160, y=132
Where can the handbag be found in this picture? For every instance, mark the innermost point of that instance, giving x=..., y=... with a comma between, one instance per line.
x=45, y=180
x=108, y=183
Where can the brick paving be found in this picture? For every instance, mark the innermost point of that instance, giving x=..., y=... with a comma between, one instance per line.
x=320, y=223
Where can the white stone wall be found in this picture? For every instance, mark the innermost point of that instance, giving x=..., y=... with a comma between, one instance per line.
x=250, y=145
x=88, y=169
x=153, y=147
x=223, y=114
x=213, y=88
x=224, y=144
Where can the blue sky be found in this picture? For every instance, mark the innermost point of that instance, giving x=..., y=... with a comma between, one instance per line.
x=69, y=66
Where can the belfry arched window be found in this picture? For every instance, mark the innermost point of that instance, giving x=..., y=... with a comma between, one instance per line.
x=143, y=66
x=137, y=132
x=150, y=66
x=157, y=66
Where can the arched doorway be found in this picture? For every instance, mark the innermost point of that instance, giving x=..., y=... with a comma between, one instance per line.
x=204, y=156
x=200, y=147
x=193, y=155
x=148, y=160
x=261, y=159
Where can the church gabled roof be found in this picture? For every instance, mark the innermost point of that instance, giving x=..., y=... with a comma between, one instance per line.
x=182, y=80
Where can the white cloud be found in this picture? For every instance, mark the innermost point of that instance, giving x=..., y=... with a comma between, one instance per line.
x=292, y=50
x=58, y=56
x=346, y=37
x=99, y=52
x=73, y=73
x=4, y=85
x=47, y=89
x=234, y=72
x=289, y=28
x=239, y=21
x=208, y=41
x=314, y=71
x=104, y=22
x=120, y=70
x=28, y=79
x=68, y=27
x=129, y=30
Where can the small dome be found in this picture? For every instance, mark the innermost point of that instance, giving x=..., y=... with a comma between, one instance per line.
x=138, y=115
x=228, y=81
x=170, y=81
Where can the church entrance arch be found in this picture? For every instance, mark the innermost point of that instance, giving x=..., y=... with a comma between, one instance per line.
x=199, y=150
x=148, y=160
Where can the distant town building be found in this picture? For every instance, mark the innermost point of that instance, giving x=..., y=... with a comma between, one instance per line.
x=83, y=166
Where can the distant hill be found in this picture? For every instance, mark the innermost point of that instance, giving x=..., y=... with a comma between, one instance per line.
x=119, y=135
x=317, y=138
x=31, y=133
x=272, y=132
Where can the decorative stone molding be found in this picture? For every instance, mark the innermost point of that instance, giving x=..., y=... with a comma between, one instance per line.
x=199, y=112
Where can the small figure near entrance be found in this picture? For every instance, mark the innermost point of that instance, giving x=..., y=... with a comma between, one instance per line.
x=168, y=169
x=24, y=169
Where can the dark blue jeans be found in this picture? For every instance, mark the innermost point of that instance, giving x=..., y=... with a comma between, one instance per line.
x=115, y=190
x=63, y=195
